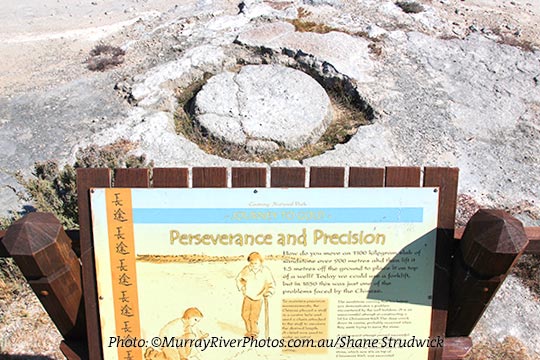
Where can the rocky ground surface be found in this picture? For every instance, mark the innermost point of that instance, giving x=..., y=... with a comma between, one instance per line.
x=456, y=84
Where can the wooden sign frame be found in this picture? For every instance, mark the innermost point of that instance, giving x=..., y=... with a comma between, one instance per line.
x=446, y=179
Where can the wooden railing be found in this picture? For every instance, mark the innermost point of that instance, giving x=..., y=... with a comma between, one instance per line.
x=490, y=245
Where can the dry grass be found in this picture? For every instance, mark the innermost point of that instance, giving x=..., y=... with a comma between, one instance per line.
x=509, y=349
x=303, y=13
x=508, y=38
x=103, y=57
x=11, y=281
x=410, y=7
x=511, y=40
x=10, y=218
x=53, y=188
x=528, y=270
x=301, y=24
x=21, y=314
x=375, y=48
x=115, y=155
x=310, y=26
x=466, y=208
x=184, y=95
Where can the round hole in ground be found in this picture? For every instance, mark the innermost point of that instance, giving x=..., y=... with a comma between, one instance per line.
x=267, y=112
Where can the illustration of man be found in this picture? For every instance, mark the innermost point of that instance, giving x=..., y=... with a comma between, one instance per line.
x=256, y=283
x=182, y=328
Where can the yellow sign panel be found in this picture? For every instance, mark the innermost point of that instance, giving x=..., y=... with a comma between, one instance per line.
x=265, y=273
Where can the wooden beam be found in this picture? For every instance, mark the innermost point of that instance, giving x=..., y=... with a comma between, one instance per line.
x=446, y=180
x=3, y=251
x=42, y=250
x=210, y=177
x=133, y=178
x=248, y=177
x=366, y=177
x=456, y=348
x=327, y=177
x=398, y=176
x=86, y=179
x=533, y=234
x=72, y=350
x=288, y=177
x=491, y=244
x=170, y=178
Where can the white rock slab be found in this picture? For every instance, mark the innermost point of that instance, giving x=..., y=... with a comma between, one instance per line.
x=348, y=54
x=264, y=102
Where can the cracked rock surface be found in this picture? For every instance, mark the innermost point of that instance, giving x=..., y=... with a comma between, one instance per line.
x=263, y=106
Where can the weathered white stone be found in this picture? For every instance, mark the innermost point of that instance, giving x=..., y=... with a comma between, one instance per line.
x=219, y=96
x=286, y=163
x=264, y=102
x=266, y=34
x=282, y=104
x=375, y=31
x=347, y=54
x=226, y=128
x=322, y=2
x=261, y=146
x=207, y=56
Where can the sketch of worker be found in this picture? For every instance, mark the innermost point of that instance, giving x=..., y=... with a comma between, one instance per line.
x=185, y=327
x=256, y=283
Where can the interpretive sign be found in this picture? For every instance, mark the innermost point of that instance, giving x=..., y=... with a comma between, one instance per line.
x=265, y=273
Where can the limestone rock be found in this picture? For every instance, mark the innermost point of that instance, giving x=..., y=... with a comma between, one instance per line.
x=323, y=2
x=261, y=146
x=375, y=31
x=349, y=55
x=264, y=102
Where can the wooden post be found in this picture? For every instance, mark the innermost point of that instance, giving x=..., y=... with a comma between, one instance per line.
x=446, y=179
x=42, y=250
x=327, y=177
x=87, y=178
x=287, y=177
x=456, y=348
x=492, y=242
x=3, y=251
x=248, y=177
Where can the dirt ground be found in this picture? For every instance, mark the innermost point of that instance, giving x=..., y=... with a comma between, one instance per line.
x=44, y=44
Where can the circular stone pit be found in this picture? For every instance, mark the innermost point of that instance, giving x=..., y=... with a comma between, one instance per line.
x=262, y=107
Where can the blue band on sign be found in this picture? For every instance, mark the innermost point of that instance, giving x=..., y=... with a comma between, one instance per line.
x=277, y=216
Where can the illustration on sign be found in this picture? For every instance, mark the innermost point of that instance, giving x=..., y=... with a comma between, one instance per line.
x=265, y=273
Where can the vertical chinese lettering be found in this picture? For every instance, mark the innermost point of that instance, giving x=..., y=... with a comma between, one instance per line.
x=124, y=277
